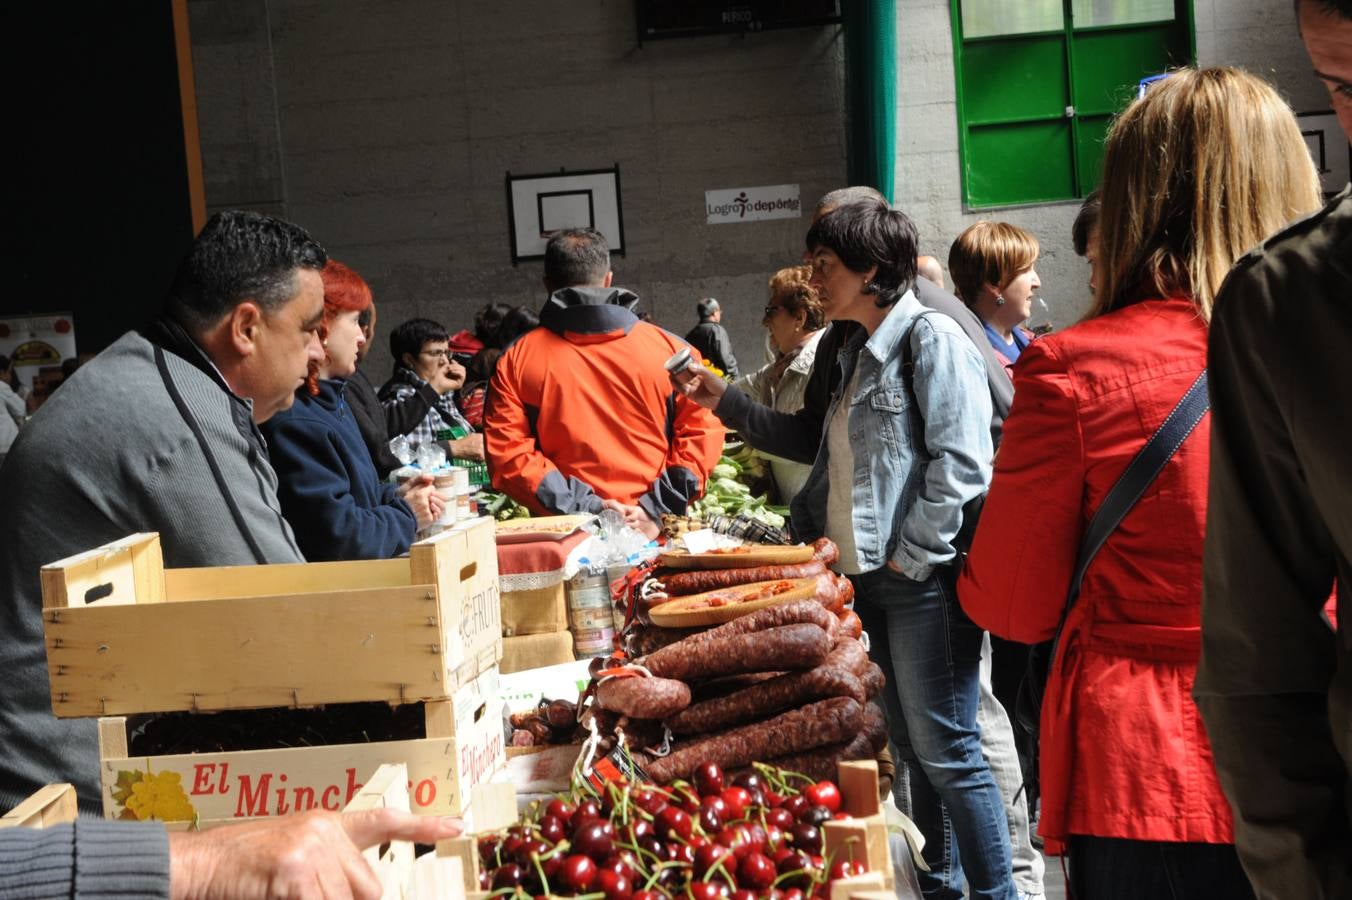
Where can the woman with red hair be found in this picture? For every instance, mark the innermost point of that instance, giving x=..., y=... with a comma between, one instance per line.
x=328, y=486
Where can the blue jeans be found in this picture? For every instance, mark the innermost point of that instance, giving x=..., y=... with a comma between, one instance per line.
x=932, y=653
x=1122, y=869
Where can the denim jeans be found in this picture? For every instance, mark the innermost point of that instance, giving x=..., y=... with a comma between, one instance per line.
x=931, y=652
x=1122, y=869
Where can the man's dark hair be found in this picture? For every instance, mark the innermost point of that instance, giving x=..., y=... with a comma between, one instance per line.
x=1085, y=222
x=576, y=257
x=870, y=234
x=410, y=336
x=706, y=308
x=517, y=321
x=487, y=321
x=240, y=256
x=1332, y=7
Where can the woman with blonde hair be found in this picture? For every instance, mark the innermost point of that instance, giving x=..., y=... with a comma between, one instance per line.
x=1196, y=172
x=992, y=268
x=794, y=320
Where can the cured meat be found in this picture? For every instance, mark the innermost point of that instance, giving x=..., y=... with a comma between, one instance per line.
x=681, y=584
x=643, y=698
x=797, y=646
x=785, y=692
x=815, y=725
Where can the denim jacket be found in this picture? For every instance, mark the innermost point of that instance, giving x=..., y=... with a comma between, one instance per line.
x=921, y=450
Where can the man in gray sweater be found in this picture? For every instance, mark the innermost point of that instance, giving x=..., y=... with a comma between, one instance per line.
x=158, y=433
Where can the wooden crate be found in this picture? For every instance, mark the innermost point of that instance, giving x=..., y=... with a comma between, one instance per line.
x=463, y=746
x=54, y=804
x=125, y=635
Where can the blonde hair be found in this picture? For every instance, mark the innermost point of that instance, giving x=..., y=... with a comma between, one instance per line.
x=989, y=253
x=1195, y=174
x=793, y=289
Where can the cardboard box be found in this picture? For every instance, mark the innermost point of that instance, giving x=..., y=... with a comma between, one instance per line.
x=458, y=752
x=534, y=651
x=537, y=611
x=126, y=635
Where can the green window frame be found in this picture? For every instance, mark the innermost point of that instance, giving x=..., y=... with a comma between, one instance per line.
x=1034, y=107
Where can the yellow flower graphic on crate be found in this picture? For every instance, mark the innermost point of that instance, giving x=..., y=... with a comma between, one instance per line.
x=143, y=795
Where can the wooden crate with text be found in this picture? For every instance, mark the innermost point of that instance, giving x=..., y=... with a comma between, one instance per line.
x=126, y=635
x=462, y=746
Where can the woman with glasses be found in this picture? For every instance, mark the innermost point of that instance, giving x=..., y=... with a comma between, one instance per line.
x=423, y=366
x=794, y=321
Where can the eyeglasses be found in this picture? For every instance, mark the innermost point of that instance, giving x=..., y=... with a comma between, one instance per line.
x=442, y=355
x=771, y=310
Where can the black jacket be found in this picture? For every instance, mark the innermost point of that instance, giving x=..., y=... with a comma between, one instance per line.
x=713, y=343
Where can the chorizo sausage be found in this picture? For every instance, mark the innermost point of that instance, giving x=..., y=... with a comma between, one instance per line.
x=823, y=762
x=799, y=646
x=815, y=725
x=683, y=584
x=846, y=590
x=848, y=654
x=828, y=592
x=799, y=611
x=785, y=692
x=643, y=698
x=825, y=550
x=873, y=679
x=850, y=624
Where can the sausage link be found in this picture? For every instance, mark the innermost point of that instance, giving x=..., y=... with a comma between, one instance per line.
x=683, y=584
x=815, y=725
x=850, y=624
x=846, y=590
x=785, y=692
x=825, y=550
x=828, y=592
x=873, y=679
x=823, y=762
x=850, y=655
x=795, y=613
x=643, y=698
x=787, y=647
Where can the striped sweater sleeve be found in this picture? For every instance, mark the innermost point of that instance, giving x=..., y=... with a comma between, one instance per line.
x=91, y=858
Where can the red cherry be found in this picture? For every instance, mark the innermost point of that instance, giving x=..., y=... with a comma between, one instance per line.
x=707, y=890
x=647, y=895
x=846, y=868
x=579, y=873
x=780, y=818
x=737, y=799
x=674, y=822
x=508, y=876
x=650, y=801
x=710, y=855
x=772, y=799
x=749, y=780
x=615, y=885
x=622, y=863
x=551, y=829
x=593, y=838
x=743, y=895
x=587, y=809
x=709, y=820
x=824, y=793
x=807, y=837
x=756, y=871
x=561, y=809
x=797, y=805
x=708, y=779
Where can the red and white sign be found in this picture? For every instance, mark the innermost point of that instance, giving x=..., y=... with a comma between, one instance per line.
x=36, y=342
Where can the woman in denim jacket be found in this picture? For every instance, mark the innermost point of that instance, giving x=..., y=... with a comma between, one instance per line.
x=907, y=442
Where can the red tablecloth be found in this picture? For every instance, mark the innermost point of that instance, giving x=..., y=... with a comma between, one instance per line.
x=536, y=564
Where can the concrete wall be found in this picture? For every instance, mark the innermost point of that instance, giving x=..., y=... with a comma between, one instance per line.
x=386, y=127
x=1259, y=35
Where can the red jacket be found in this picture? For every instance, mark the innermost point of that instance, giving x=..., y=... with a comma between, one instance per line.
x=581, y=410
x=1123, y=751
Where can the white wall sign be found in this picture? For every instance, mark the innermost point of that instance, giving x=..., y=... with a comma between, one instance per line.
x=753, y=204
x=1328, y=148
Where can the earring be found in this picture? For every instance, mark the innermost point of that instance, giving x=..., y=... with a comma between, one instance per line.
x=999, y=300
x=870, y=287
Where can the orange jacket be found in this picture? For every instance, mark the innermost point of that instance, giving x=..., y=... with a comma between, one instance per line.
x=581, y=410
x=1123, y=750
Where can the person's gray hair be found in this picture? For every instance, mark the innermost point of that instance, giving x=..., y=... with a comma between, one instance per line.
x=576, y=257
x=847, y=195
x=706, y=307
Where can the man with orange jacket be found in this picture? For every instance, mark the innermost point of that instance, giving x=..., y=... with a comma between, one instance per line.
x=581, y=414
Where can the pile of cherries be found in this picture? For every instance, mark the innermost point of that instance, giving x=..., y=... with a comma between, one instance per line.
x=755, y=836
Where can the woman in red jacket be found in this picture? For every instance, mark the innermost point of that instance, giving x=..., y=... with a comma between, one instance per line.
x=1195, y=173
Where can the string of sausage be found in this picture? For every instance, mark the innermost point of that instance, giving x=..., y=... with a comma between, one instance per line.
x=815, y=725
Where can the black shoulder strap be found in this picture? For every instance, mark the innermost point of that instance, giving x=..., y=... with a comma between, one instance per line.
x=1132, y=483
